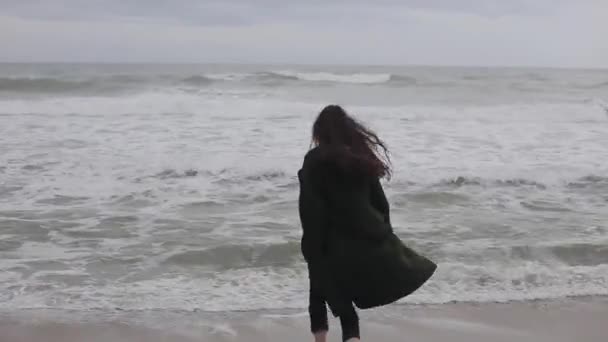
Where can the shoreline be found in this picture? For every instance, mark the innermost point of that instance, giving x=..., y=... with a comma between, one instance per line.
x=564, y=320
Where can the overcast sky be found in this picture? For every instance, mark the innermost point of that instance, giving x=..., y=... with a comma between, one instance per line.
x=552, y=33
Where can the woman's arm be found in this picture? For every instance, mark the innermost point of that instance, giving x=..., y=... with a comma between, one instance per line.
x=313, y=217
x=313, y=212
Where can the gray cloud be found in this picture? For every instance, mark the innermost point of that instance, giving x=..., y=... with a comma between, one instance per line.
x=161, y=11
x=465, y=32
x=213, y=12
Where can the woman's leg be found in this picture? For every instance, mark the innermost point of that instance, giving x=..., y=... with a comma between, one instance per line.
x=349, y=320
x=320, y=336
x=317, y=310
x=318, y=313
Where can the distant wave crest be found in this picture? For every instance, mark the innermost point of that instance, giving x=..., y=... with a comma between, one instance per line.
x=355, y=78
x=197, y=80
x=465, y=181
x=90, y=86
x=41, y=85
x=118, y=83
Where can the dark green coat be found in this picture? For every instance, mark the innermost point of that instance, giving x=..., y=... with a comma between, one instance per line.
x=348, y=241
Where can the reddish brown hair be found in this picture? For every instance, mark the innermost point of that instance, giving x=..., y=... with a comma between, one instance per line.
x=350, y=140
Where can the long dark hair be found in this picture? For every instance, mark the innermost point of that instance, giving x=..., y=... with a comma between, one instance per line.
x=351, y=143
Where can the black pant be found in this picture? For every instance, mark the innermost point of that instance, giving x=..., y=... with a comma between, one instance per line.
x=317, y=309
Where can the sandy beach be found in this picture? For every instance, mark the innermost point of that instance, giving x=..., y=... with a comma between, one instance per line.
x=565, y=321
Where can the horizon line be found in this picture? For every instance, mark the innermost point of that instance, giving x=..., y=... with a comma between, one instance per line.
x=228, y=63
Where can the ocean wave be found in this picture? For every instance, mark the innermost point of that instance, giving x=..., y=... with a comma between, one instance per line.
x=168, y=174
x=43, y=85
x=461, y=181
x=62, y=200
x=282, y=76
x=535, y=77
x=225, y=177
x=437, y=199
x=402, y=80
x=544, y=206
x=240, y=256
x=355, y=78
x=287, y=76
x=528, y=281
x=108, y=84
x=114, y=84
x=591, y=181
x=274, y=77
x=235, y=177
x=111, y=83
x=581, y=254
x=197, y=80
x=260, y=288
x=562, y=253
x=585, y=182
x=134, y=200
x=433, y=189
x=100, y=85
x=266, y=176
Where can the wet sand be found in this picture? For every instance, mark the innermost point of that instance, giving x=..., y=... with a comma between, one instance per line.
x=580, y=320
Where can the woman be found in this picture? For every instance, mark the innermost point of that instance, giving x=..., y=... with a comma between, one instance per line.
x=353, y=256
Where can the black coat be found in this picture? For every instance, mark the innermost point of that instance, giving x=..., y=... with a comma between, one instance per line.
x=348, y=240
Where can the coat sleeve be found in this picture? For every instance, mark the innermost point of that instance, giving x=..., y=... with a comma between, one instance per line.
x=379, y=201
x=313, y=217
x=312, y=205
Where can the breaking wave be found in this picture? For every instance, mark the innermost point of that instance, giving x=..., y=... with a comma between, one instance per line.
x=100, y=85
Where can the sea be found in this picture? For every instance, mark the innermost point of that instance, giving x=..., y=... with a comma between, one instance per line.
x=131, y=188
